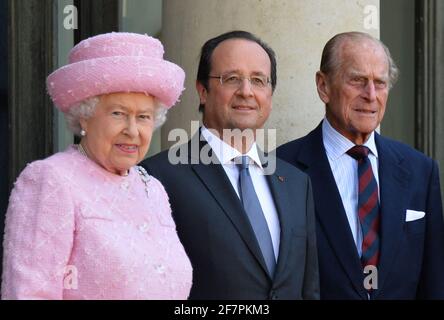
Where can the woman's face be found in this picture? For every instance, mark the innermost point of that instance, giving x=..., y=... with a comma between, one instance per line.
x=119, y=133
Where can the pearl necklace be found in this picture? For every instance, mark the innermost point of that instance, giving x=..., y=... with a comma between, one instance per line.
x=81, y=150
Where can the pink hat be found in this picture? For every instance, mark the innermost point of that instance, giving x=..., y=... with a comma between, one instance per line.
x=116, y=62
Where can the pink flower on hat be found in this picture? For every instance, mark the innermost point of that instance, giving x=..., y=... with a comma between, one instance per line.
x=116, y=62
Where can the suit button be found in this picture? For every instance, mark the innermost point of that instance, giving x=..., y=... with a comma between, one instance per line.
x=273, y=295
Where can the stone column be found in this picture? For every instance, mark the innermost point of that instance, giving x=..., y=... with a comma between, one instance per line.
x=30, y=59
x=429, y=113
x=296, y=30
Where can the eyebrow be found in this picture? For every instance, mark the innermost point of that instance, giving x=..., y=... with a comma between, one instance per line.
x=355, y=73
x=256, y=73
x=118, y=105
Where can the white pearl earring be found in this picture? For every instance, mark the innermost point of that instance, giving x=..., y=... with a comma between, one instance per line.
x=82, y=133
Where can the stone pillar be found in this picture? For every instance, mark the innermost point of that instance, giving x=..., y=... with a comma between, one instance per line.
x=30, y=59
x=296, y=30
x=429, y=114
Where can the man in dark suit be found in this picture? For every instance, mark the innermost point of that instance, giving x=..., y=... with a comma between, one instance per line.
x=248, y=230
x=378, y=206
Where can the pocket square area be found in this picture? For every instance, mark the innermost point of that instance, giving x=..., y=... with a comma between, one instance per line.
x=412, y=215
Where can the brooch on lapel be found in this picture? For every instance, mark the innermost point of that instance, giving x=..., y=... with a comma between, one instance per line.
x=281, y=178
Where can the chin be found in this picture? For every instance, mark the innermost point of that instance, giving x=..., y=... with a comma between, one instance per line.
x=366, y=127
x=245, y=125
x=125, y=166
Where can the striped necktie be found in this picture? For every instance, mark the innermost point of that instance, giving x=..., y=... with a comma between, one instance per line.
x=368, y=206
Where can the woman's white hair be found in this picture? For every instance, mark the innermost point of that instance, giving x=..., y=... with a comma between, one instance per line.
x=86, y=108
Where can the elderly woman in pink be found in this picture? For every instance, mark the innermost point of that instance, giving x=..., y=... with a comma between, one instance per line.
x=88, y=223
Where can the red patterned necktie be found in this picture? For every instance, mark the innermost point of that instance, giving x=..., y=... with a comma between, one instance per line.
x=368, y=206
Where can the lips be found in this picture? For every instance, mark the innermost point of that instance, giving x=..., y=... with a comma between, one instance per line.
x=365, y=111
x=243, y=107
x=127, y=148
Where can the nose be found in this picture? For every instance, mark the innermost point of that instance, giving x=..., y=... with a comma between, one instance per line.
x=370, y=91
x=245, y=88
x=131, y=127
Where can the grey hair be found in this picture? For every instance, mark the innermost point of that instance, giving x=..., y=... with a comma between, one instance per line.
x=331, y=63
x=86, y=108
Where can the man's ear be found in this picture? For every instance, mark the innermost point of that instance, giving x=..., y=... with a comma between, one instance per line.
x=202, y=91
x=323, y=86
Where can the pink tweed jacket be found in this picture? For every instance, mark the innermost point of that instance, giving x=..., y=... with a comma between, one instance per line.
x=76, y=231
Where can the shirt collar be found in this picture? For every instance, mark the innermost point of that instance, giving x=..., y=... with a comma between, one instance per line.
x=336, y=144
x=226, y=153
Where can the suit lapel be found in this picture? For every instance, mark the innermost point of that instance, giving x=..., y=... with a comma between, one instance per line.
x=329, y=209
x=219, y=186
x=393, y=185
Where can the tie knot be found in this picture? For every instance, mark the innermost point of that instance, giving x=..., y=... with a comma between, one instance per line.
x=358, y=152
x=243, y=162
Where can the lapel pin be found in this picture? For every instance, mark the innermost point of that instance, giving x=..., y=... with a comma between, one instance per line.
x=281, y=178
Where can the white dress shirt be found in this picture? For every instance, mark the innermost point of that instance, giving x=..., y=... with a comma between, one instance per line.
x=226, y=155
x=345, y=172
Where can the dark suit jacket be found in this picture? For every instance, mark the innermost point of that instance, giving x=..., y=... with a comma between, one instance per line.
x=411, y=264
x=220, y=242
